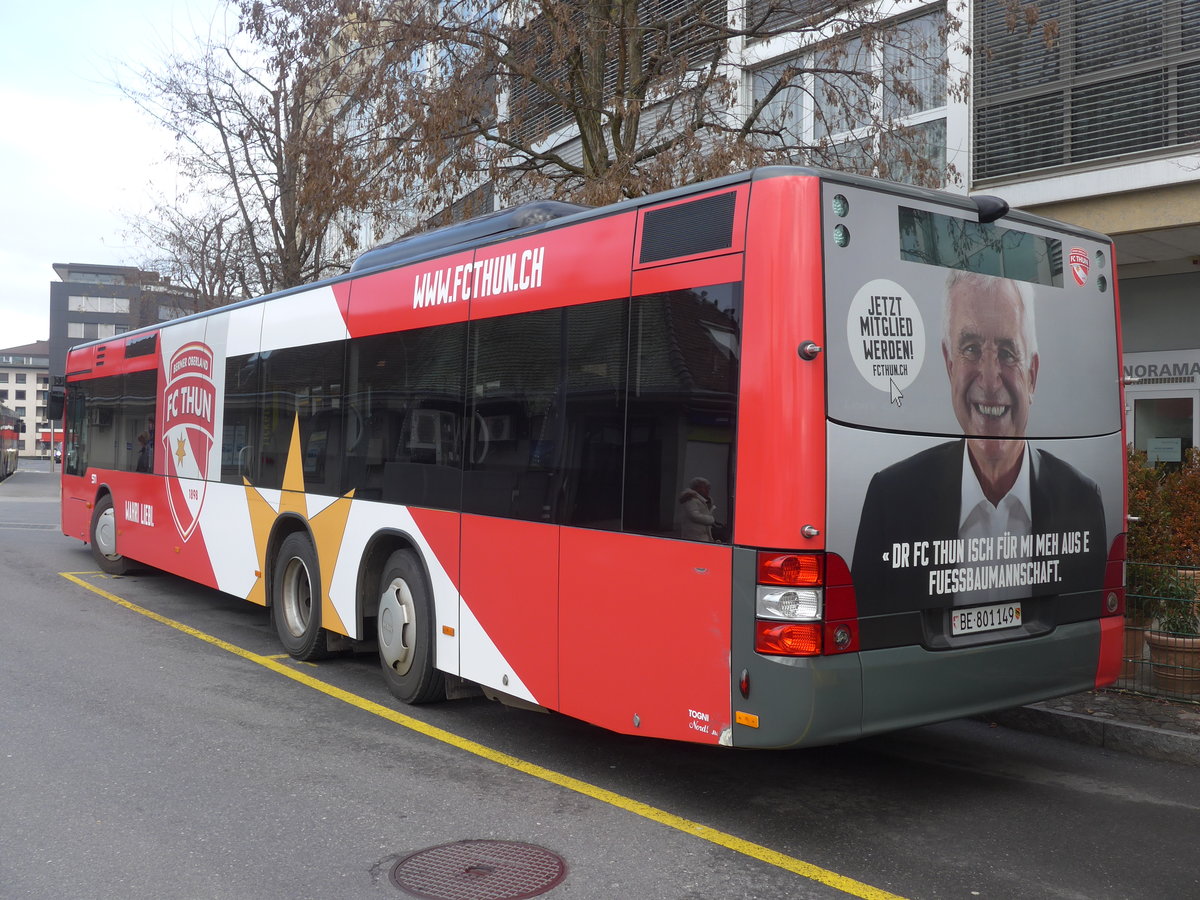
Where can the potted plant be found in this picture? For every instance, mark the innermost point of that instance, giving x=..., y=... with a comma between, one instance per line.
x=1174, y=638
x=1146, y=586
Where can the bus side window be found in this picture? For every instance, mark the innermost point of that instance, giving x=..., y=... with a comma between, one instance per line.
x=301, y=385
x=682, y=410
x=243, y=393
x=514, y=438
x=76, y=427
x=323, y=444
x=407, y=390
x=592, y=470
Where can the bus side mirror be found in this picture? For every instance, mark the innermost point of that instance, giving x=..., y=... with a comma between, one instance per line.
x=55, y=403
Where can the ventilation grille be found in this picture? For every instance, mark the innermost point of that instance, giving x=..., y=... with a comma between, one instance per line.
x=1178, y=379
x=687, y=229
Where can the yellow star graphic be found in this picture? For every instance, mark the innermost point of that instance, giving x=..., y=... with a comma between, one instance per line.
x=328, y=528
x=180, y=453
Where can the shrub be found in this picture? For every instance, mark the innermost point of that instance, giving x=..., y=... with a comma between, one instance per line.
x=1164, y=542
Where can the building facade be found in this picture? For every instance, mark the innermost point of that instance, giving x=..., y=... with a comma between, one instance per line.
x=1085, y=111
x=96, y=301
x=24, y=388
x=1091, y=114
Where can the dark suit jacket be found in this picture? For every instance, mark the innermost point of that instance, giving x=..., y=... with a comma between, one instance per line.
x=919, y=499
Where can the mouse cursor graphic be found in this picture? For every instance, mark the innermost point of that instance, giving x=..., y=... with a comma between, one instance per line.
x=897, y=395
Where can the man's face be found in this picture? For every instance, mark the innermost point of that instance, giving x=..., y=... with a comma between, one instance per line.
x=992, y=372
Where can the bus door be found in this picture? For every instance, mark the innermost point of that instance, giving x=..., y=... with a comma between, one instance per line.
x=512, y=446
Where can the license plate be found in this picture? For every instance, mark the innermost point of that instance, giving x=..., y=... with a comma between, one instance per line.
x=985, y=618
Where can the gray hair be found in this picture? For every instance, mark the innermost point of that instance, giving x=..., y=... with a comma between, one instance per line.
x=977, y=280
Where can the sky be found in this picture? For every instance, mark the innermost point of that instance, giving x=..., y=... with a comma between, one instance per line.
x=77, y=158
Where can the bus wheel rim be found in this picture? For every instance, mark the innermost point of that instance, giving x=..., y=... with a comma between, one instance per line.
x=397, y=626
x=106, y=534
x=297, y=597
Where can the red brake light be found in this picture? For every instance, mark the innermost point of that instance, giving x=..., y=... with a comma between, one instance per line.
x=787, y=638
x=793, y=569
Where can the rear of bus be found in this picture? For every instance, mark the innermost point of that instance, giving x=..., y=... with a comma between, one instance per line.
x=948, y=536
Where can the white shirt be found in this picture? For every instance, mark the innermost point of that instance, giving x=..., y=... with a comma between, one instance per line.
x=978, y=518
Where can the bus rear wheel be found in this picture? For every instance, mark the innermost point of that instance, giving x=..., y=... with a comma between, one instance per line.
x=405, y=627
x=296, y=599
x=104, y=538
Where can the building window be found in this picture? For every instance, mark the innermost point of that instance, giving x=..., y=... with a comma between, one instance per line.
x=833, y=112
x=1119, y=77
x=3, y=378
x=3, y=395
x=19, y=395
x=532, y=106
x=91, y=330
x=21, y=378
x=98, y=304
x=94, y=278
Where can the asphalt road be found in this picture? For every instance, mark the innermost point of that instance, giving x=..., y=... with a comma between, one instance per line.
x=141, y=760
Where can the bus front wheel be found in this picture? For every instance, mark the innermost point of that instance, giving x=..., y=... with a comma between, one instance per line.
x=296, y=599
x=405, y=626
x=104, y=538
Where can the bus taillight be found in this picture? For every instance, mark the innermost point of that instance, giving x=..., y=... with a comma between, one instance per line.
x=789, y=604
x=805, y=605
x=797, y=569
x=841, y=607
x=780, y=639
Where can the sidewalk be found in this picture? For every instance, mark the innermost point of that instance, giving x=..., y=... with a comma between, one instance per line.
x=1117, y=720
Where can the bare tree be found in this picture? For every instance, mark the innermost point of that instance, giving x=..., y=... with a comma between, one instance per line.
x=320, y=115
x=201, y=249
x=282, y=164
x=601, y=99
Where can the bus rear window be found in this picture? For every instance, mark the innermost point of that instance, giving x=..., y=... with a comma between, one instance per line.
x=952, y=243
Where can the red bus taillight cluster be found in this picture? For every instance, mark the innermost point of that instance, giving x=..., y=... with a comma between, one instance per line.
x=804, y=605
x=789, y=604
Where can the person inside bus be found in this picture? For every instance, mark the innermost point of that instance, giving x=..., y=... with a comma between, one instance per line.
x=144, y=460
x=991, y=484
x=698, y=513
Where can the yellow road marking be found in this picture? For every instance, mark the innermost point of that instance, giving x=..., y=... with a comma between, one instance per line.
x=730, y=842
x=295, y=662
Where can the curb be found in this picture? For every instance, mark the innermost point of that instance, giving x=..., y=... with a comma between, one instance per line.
x=1111, y=734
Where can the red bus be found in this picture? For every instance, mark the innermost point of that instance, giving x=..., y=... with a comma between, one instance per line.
x=11, y=428
x=756, y=462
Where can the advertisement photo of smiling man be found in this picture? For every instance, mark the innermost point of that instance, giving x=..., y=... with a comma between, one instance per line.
x=991, y=488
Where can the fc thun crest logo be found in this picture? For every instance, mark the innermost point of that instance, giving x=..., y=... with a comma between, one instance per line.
x=189, y=405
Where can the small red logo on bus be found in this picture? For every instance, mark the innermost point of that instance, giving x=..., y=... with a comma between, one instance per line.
x=1079, y=265
x=189, y=403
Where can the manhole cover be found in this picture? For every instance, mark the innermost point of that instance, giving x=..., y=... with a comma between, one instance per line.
x=479, y=870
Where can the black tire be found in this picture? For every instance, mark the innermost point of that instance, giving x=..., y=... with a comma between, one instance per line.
x=103, y=536
x=405, y=626
x=296, y=599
